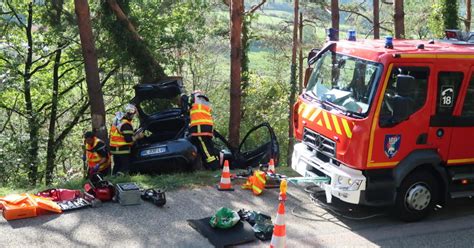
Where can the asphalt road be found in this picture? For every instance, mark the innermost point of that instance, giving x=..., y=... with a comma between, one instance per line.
x=146, y=225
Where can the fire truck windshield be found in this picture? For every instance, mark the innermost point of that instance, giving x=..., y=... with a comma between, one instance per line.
x=345, y=83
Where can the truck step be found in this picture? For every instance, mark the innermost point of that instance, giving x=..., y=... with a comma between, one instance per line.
x=462, y=194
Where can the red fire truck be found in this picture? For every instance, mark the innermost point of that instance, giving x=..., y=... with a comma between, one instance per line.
x=389, y=123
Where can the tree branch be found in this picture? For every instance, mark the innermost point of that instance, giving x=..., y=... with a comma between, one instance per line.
x=71, y=61
x=68, y=70
x=363, y=16
x=256, y=7
x=11, y=65
x=13, y=110
x=109, y=74
x=10, y=112
x=121, y=16
x=15, y=14
x=46, y=105
x=39, y=67
x=72, y=124
x=49, y=54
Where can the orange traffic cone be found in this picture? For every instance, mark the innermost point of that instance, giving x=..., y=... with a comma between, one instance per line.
x=225, y=184
x=271, y=166
x=279, y=229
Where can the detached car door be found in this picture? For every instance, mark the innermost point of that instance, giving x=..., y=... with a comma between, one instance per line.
x=258, y=147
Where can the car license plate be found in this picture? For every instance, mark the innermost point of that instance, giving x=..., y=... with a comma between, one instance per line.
x=153, y=151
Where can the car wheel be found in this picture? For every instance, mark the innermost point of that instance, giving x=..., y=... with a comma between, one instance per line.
x=197, y=164
x=417, y=196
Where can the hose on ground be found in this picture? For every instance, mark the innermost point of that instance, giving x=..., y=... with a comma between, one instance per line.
x=314, y=192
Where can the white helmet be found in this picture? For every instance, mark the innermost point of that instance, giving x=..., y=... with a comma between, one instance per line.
x=130, y=109
x=198, y=93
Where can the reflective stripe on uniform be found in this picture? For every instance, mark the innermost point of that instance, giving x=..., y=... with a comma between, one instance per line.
x=202, y=121
x=256, y=189
x=117, y=138
x=120, y=150
x=259, y=177
x=200, y=111
x=206, y=152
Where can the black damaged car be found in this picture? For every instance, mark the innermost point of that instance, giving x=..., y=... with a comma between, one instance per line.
x=164, y=117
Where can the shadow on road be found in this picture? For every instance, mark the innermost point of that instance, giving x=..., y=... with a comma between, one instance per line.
x=379, y=227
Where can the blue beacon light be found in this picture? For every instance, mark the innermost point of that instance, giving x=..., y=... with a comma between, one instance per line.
x=389, y=42
x=351, y=35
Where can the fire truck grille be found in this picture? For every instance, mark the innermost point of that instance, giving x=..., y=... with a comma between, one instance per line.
x=319, y=143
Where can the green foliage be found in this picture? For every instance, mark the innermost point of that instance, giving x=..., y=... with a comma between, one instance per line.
x=450, y=14
x=435, y=21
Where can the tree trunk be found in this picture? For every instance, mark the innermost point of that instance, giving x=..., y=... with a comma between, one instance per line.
x=300, y=41
x=245, y=74
x=94, y=88
x=399, y=19
x=236, y=9
x=376, y=19
x=467, y=22
x=33, y=125
x=51, y=149
x=292, y=84
x=335, y=16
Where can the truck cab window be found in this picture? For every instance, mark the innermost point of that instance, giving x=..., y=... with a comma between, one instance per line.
x=448, y=88
x=468, y=108
x=405, y=94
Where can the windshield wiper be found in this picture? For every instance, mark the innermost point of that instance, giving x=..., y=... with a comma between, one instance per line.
x=327, y=104
x=314, y=98
x=335, y=106
x=342, y=109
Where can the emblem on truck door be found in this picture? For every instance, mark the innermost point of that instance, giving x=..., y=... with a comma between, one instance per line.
x=392, y=144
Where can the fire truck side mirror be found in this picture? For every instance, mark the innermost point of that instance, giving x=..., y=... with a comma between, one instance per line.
x=307, y=74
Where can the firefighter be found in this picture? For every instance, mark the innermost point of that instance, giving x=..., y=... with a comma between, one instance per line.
x=201, y=129
x=97, y=155
x=122, y=138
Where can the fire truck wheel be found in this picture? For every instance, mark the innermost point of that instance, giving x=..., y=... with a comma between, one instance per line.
x=416, y=196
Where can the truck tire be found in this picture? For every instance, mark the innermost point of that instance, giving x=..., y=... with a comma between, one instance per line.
x=416, y=196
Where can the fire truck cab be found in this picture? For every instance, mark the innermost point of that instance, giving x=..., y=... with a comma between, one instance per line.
x=390, y=123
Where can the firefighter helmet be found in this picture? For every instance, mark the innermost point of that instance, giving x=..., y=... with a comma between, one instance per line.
x=130, y=109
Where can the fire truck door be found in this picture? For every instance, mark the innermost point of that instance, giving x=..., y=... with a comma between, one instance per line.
x=404, y=115
x=448, y=85
x=461, y=150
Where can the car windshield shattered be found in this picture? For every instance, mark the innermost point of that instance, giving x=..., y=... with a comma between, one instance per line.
x=344, y=83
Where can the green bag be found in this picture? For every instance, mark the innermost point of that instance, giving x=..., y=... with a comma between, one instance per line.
x=224, y=218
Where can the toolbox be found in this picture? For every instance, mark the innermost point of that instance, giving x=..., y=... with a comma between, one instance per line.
x=128, y=193
x=24, y=209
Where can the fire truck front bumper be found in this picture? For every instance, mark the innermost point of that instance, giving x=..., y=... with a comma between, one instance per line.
x=345, y=183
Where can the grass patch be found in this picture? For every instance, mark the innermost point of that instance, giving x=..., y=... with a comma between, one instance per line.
x=168, y=181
